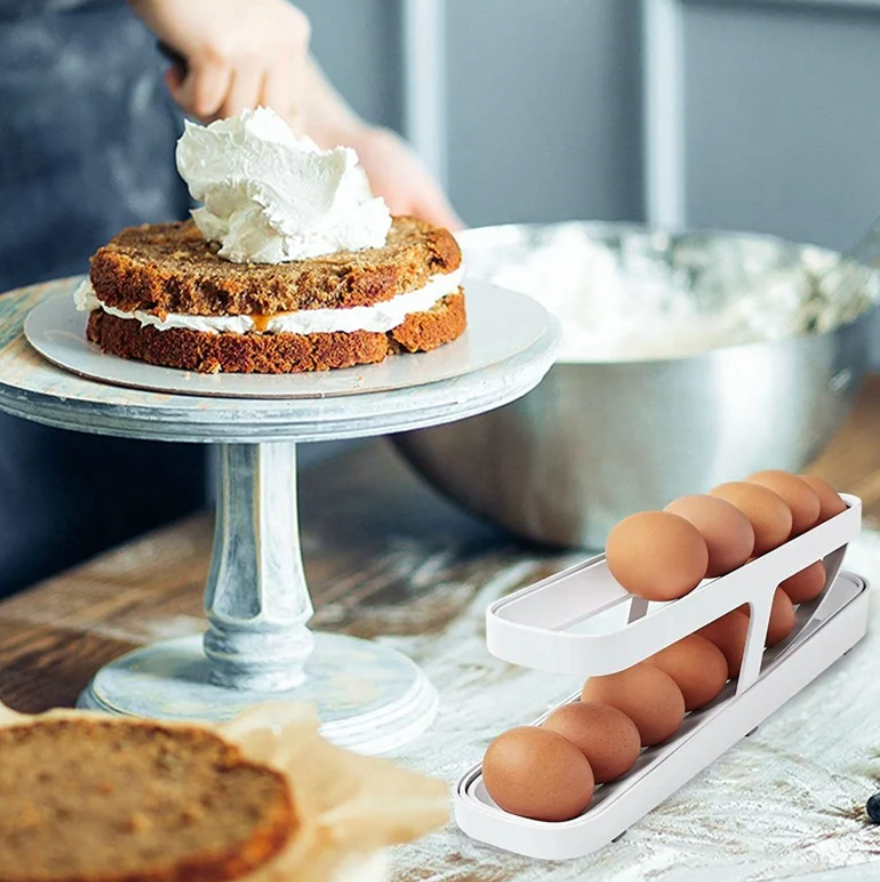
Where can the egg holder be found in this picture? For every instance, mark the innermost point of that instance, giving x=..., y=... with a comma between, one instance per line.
x=581, y=621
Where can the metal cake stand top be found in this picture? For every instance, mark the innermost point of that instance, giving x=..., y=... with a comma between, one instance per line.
x=33, y=388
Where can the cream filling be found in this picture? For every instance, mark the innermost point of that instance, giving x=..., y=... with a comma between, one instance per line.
x=381, y=317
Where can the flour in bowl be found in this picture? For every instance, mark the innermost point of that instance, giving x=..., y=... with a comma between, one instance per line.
x=625, y=294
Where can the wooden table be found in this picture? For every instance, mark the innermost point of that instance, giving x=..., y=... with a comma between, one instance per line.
x=384, y=555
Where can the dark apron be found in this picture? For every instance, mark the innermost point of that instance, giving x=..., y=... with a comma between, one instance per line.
x=87, y=135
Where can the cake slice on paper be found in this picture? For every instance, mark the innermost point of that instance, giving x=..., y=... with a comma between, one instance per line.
x=91, y=798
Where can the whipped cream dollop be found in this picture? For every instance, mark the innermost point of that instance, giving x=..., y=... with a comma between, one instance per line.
x=381, y=317
x=271, y=197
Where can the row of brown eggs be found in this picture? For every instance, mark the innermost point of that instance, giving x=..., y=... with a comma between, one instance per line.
x=549, y=773
x=664, y=555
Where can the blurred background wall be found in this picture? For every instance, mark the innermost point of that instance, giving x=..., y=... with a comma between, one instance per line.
x=751, y=114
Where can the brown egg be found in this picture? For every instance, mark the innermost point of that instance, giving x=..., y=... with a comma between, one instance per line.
x=781, y=618
x=807, y=584
x=796, y=494
x=536, y=773
x=647, y=695
x=729, y=634
x=767, y=512
x=727, y=532
x=657, y=555
x=607, y=737
x=698, y=667
x=830, y=503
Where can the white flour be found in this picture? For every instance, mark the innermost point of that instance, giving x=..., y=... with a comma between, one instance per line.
x=637, y=296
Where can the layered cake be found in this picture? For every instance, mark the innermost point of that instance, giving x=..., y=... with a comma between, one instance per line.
x=290, y=264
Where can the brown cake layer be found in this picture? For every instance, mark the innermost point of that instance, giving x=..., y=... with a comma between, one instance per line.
x=102, y=801
x=164, y=268
x=276, y=353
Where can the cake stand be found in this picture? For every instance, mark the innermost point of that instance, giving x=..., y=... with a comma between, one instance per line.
x=257, y=645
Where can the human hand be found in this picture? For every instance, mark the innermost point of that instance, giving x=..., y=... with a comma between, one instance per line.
x=238, y=56
x=237, y=61
x=396, y=174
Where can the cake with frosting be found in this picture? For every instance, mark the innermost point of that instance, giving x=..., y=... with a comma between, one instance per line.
x=289, y=265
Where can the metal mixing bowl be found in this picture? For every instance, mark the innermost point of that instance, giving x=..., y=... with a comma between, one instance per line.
x=598, y=441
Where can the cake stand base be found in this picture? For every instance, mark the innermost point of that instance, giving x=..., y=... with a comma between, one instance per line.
x=370, y=698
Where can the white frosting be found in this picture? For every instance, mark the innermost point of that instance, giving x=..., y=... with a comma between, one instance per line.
x=271, y=197
x=85, y=298
x=381, y=317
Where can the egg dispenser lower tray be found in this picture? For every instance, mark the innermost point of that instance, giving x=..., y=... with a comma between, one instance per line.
x=583, y=622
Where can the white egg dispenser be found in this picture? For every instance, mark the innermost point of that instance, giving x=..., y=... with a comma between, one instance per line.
x=583, y=622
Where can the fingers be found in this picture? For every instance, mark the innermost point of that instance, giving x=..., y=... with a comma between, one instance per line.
x=448, y=217
x=212, y=92
x=233, y=59
x=424, y=203
x=245, y=88
x=400, y=179
x=279, y=92
x=431, y=205
x=203, y=89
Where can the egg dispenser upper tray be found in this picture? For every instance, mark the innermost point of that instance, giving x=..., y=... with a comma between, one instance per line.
x=582, y=621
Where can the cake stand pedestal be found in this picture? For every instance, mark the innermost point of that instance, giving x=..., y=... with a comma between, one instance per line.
x=258, y=646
